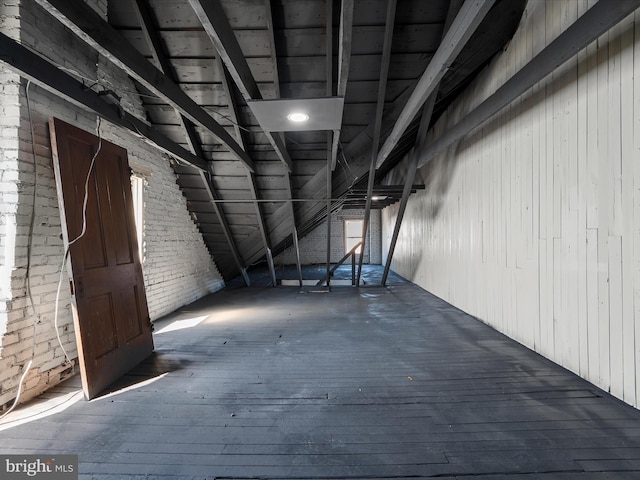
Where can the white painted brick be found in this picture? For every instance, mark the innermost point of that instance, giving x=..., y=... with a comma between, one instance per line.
x=54, y=363
x=6, y=399
x=9, y=373
x=176, y=280
x=10, y=339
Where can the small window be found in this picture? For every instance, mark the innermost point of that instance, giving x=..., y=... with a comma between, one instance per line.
x=352, y=234
x=137, y=190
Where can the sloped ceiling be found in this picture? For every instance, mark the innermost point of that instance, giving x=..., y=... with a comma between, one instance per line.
x=255, y=190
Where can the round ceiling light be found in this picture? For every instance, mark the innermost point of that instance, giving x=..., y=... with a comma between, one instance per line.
x=298, y=117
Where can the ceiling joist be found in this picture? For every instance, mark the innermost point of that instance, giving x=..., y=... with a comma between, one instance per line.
x=468, y=19
x=90, y=27
x=147, y=23
x=382, y=93
x=253, y=189
x=216, y=25
x=586, y=29
x=46, y=75
x=344, y=61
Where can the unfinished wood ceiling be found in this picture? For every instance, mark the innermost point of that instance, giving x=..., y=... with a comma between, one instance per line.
x=249, y=190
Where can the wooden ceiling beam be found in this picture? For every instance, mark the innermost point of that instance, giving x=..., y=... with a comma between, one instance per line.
x=253, y=189
x=82, y=20
x=41, y=72
x=344, y=60
x=216, y=25
x=147, y=23
x=382, y=93
x=425, y=121
x=280, y=136
x=586, y=29
x=467, y=20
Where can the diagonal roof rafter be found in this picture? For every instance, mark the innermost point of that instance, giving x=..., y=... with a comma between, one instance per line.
x=253, y=188
x=216, y=25
x=594, y=22
x=83, y=21
x=464, y=25
x=382, y=91
x=344, y=61
x=146, y=19
x=412, y=167
x=51, y=78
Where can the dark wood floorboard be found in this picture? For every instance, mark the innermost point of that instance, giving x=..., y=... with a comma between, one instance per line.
x=369, y=383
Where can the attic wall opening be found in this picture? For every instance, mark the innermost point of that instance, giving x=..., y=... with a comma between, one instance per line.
x=313, y=246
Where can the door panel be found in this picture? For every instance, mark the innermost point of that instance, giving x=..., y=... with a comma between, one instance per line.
x=109, y=302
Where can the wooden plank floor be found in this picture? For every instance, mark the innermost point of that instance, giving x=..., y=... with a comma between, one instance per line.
x=357, y=383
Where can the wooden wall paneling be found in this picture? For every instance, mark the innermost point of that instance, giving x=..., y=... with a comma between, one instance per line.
x=602, y=133
x=485, y=204
x=628, y=158
x=540, y=174
x=506, y=232
x=615, y=315
x=636, y=204
x=558, y=345
x=593, y=306
x=554, y=9
x=591, y=196
x=546, y=201
x=539, y=232
x=614, y=177
x=561, y=225
x=571, y=321
x=523, y=158
x=613, y=184
x=501, y=229
x=536, y=110
x=581, y=219
x=489, y=244
x=515, y=186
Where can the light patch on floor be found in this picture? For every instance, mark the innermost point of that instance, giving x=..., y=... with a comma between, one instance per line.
x=46, y=405
x=130, y=388
x=182, y=324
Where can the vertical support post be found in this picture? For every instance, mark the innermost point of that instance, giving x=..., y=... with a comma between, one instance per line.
x=406, y=192
x=329, y=212
x=329, y=60
x=382, y=89
x=245, y=277
x=297, y=248
x=411, y=175
x=213, y=197
x=353, y=269
x=272, y=270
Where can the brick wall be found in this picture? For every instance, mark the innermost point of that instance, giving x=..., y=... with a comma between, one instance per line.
x=313, y=246
x=177, y=269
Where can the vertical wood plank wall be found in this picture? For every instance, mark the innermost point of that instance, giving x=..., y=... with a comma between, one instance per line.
x=532, y=224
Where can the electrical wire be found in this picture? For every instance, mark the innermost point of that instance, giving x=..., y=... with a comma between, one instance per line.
x=71, y=242
x=65, y=256
x=32, y=223
x=344, y=159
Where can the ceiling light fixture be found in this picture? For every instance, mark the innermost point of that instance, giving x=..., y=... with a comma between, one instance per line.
x=298, y=117
x=283, y=115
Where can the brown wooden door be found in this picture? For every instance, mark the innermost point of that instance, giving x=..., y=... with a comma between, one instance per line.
x=111, y=317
